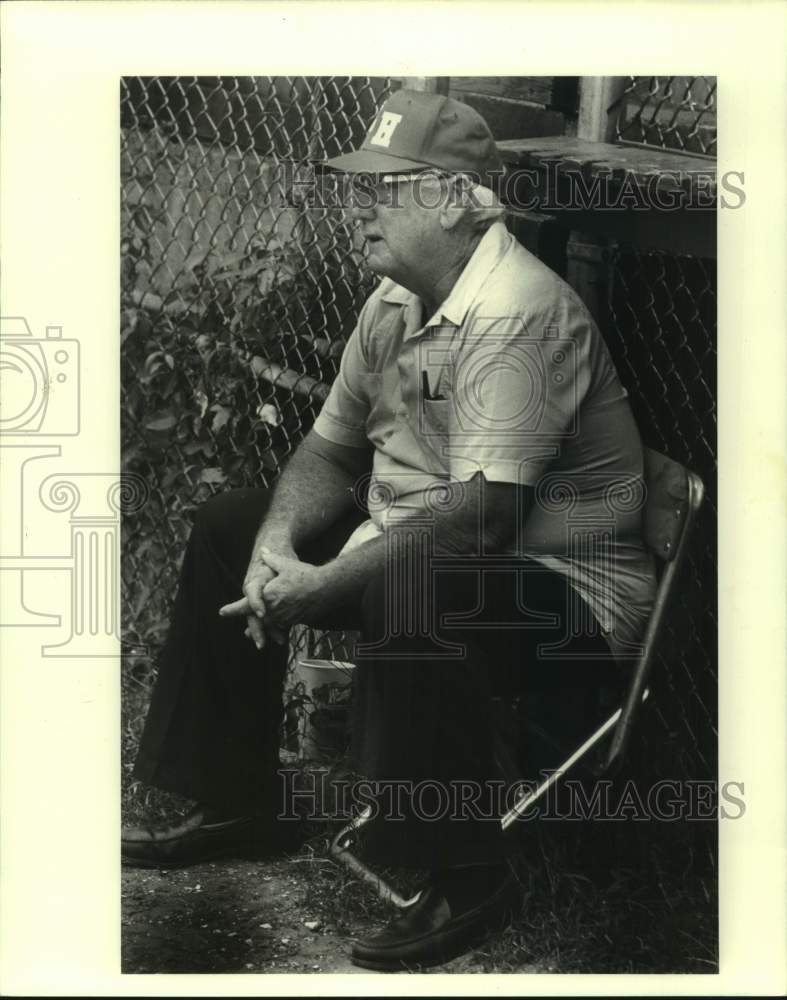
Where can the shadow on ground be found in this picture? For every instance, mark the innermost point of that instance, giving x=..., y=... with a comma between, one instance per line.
x=242, y=916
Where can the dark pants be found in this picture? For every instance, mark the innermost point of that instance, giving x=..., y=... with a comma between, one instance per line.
x=425, y=723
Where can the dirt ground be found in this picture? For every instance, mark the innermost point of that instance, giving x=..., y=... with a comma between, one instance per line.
x=225, y=916
x=240, y=916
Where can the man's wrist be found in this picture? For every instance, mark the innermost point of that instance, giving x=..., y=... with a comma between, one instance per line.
x=276, y=539
x=347, y=574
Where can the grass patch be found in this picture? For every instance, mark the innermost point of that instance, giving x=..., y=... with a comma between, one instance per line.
x=594, y=900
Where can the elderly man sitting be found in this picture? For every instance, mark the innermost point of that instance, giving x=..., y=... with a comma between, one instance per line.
x=478, y=403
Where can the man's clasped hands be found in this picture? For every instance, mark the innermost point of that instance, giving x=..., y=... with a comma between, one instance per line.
x=279, y=590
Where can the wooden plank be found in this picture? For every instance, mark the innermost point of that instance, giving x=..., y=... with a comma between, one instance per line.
x=681, y=232
x=535, y=89
x=592, y=159
x=510, y=118
x=556, y=93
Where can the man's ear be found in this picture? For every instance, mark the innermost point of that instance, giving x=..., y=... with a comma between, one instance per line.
x=455, y=206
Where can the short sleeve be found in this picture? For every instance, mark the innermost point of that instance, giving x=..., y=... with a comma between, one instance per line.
x=517, y=391
x=342, y=419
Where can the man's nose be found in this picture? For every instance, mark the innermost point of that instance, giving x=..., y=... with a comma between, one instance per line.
x=361, y=209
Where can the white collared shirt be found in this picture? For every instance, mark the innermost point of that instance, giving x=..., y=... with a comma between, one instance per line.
x=509, y=377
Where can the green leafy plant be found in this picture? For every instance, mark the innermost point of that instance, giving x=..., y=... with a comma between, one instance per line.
x=196, y=415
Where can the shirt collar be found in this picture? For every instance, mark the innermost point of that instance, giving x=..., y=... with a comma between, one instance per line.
x=486, y=255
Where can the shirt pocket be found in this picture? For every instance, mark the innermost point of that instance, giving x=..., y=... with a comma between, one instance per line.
x=436, y=417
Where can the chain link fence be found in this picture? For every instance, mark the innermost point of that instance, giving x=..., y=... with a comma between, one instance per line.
x=669, y=112
x=238, y=293
x=661, y=330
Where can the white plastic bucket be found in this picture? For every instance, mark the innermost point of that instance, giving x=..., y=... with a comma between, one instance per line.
x=316, y=709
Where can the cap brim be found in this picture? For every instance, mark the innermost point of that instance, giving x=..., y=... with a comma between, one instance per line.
x=366, y=161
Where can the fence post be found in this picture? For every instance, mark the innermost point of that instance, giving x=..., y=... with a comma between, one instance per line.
x=599, y=98
x=586, y=255
x=427, y=84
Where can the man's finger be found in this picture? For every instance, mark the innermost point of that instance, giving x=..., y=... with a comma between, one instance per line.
x=256, y=631
x=275, y=561
x=279, y=635
x=256, y=603
x=236, y=608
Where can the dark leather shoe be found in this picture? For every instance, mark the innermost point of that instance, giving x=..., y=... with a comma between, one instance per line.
x=199, y=837
x=429, y=933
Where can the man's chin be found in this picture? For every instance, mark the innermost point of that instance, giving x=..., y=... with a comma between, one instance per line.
x=376, y=264
x=381, y=263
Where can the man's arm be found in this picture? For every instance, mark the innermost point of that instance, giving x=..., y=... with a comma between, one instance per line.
x=316, y=486
x=480, y=517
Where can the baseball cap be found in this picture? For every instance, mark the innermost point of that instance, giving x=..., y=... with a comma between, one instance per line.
x=415, y=130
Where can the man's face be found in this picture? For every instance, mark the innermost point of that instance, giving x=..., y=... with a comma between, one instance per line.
x=400, y=222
